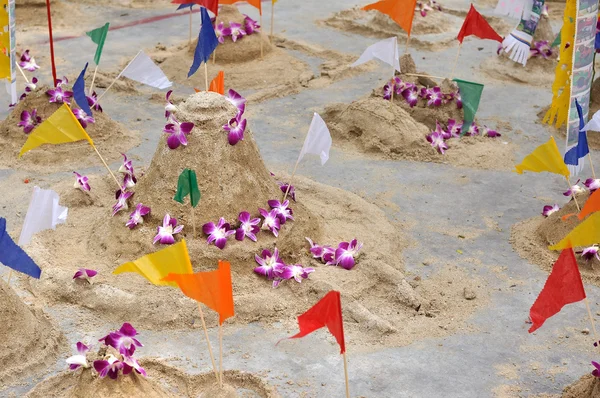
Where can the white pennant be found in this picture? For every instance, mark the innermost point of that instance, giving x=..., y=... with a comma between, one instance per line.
x=142, y=69
x=318, y=140
x=385, y=50
x=43, y=213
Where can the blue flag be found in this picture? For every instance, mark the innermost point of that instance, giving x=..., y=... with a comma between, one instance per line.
x=13, y=256
x=79, y=92
x=182, y=6
x=207, y=42
x=574, y=157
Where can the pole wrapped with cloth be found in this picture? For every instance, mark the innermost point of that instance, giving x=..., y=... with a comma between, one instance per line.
x=8, y=56
x=518, y=42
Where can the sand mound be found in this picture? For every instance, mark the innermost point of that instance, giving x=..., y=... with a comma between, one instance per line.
x=29, y=340
x=31, y=15
x=586, y=387
x=162, y=381
x=109, y=136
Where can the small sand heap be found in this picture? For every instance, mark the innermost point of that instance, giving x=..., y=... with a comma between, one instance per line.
x=586, y=387
x=29, y=341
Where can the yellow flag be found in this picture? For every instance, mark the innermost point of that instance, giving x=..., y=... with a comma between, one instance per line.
x=61, y=127
x=154, y=267
x=546, y=157
x=585, y=234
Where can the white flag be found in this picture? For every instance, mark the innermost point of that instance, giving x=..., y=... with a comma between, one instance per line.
x=594, y=123
x=318, y=140
x=44, y=213
x=142, y=69
x=385, y=50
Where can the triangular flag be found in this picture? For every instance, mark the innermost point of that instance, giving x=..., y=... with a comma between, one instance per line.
x=510, y=8
x=470, y=94
x=186, y=5
x=142, y=69
x=401, y=11
x=327, y=312
x=79, y=92
x=217, y=85
x=98, y=36
x=575, y=157
x=318, y=140
x=563, y=287
x=545, y=157
x=188, y=184
x=43, y=213
x=585, y=234
x=207, y=42
x=212, y=5
x=212, y=288
x=61, y=127
x=13, y=256
x=475, y=24
x=558, y=38
x=592, y=204
x=385, y=50
x=253, y=3
x=157, y=265
x=594, y=123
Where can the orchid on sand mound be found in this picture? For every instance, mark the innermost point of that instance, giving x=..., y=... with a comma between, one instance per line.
x=58, y=95
x=170, y=108
x=273, y=268
x=27, y=62
x=271, y=221
x=218, y=233
x=29, y=121
x=79, y=360
x=81, y=182
x=137, y=217
x=590, y=253
x=548, y=210
x=165, y=232
x=344, y=256
x=83, y=117
x=235, y=129
x=93, y=102
x=438, y=137
x=248, y=227
x=129, y=179
x=85, y=274
x=592, y=184
x=178, y=132
x=122, y=197
x=433, y=97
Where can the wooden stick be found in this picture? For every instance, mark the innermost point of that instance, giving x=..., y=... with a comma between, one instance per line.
x=212, y=358
x=93, y=80
x=346, y=376
x=214, y=56
x=190, y=41
x=291, y=179
x=221, y=353
x=407, y=42
x=424, y=75
x=193, y=222
x=22, y=73
x=587, y=304
x=105, y=165
x=260, y=37
x=9, y=276
x=592, y=165
x=272, y=19
x=51, y=41
x=392, y=85
x=456, y=60
x=206, y=75
x=573, y=194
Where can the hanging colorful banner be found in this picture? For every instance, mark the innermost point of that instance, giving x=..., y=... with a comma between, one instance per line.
x=7, y=47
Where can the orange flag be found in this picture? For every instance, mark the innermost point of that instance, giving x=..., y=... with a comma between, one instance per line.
x=213, y=288
x=401, y=11
x=218, y=84
x=591, y=205
x=253, y=3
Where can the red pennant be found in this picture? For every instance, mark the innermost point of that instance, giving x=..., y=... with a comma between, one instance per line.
x=211, y=5
x=327, y=312
x=564, y=286
x=475, y=24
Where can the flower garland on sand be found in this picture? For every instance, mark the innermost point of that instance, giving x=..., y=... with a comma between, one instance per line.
x=344, y=256
x=412, y=94
x=236, y=30
x=273, y=268
x=439, y=136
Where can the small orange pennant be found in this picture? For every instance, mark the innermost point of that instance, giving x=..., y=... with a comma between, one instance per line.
x=218, y=84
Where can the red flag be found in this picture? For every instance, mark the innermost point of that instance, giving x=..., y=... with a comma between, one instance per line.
x=327, y=312
x=476, y=25
x=211, y=5
x=564, y=286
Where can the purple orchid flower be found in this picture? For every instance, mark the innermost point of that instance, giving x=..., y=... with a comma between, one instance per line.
x=400, y=86
x=27, y=62
x=473, y=130
x=236, y=31
x=454, y=128
x=458, y=99
x=487, y=132
x=423, y=9
x=58, y=96
x=87, y=274
x=590, y=252
x=436, y=140
x=283, y=186
x=130, y=363
x=237, y=100
x=411, y=95
x=434, y=96
x=592, y=184
x=123, y=340
x=108, y=367
x=164, y=233
x=248, y=227
x=218, y=233
x=93, y=102
x=297, y=272
x=574, y=190
x=250, y=25
x=122, y=196
x=79, y=360
x=235, y=129
x=596, y=372
x=548, y=210
x=222, y=32
x=129, y=179
x=270, y=265
x=32, y=85
x=346, y=253
x=60, y=82
x=387, y=91
x=542, y=49
x=271, y=221
x=83, y=117
x=433, y=4
x=316, y=250
x=438, y=129
x=284, y=212
x=324, y=253
x=170, y=108
x=137, y=217
x=29, y=120
x=81, y=182
x=177, y=133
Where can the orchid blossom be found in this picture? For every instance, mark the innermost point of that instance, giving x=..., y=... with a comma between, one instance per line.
x=283, y=186
x=86, y=274
x=434, y=96
x=222, y=32
x=58, y=95
x=93, y=102
x=423, y=8
x=137, y=217
x=29, y=120
x=590, y=252
x=27, y=62
x=129, y=179
x=388, y=89
x=542, y=49
x=32, y=85
x=487, y=132
x=218, y=233
x=177, y=132
x=235, y=129
x=164, y=233
x=271, y=221
x=250, y=25
x=411, y=95
x=574, y=190
x=108, y=367
x=453, y=128
x=592, y=184
x=123, y=340
x=436, y=139
x=548, y=210
x=237, y=100
x=236, y=31
x=248, y=227
x=170, y=108
x=81, y=182
x=596, y=372
x=83, y=117
x=473, y=130
x=122, y=196
x=270, y=265
x=284, y=212
x=79, y=360
x=296, y=272
x=130, y=363
x=458, y=99
x=346, y=253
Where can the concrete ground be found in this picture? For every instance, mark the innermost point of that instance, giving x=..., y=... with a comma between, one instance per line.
x=499, y=358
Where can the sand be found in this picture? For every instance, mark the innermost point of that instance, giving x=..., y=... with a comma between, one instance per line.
x=586, y=387
x=31, y=16
x=162, y=381
x=29, y=341
x=111, y=138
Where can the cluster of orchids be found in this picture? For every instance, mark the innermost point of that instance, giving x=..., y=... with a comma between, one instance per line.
x=248, y=227
x=432, y=97
x=236, y=127
x=424, y=7
x=286, y=188
x=116, y=354
x=541, y=49
x=344, y=256
x=235, y=30
x=438, y=137
x=274, y=269
x=177, y=131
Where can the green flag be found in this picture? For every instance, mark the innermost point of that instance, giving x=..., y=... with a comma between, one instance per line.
x=556, y=41
x=98, y=36
x=470, y=94
x=188, y=184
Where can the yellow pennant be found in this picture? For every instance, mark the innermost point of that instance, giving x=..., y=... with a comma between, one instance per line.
x=546, y=157
x=585, y=234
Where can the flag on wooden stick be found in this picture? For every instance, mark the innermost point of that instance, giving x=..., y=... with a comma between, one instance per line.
x=211, y=5
x=207, y=42
x=385, y=50
x=44, y=212
x=217, y=85
x=401, y=11
x=585, y=234
x=470, y=94
x=475, y=24
x=13, y=256
x=98, y=36
x=546, y=157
